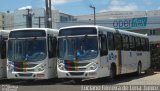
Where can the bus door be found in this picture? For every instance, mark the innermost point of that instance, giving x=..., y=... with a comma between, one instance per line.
x=103, y=52
x=118, y=48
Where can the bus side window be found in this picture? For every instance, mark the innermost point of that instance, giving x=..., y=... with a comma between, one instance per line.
x=147, y=44
x=143, y=44
x=138, y=44
x=110, y=39
x=125, y=42
x=104, y=49
x=132, y=43
x=118, y=41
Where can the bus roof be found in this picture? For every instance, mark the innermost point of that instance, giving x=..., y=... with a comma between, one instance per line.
x=108, y=29
x=4, y=33
x=79, y=26
x=50, y=31
x=33, y=29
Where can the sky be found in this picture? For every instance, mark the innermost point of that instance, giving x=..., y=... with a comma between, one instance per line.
x=81, y=7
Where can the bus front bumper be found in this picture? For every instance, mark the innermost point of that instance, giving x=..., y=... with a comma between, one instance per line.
x=27, y=75
x=78, y=74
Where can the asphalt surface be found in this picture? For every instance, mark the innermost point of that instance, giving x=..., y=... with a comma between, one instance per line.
x=70, y=85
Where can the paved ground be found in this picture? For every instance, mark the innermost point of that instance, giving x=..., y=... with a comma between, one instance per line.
x=69, y=85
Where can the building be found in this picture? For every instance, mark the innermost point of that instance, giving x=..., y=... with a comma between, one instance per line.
x=145, y=22
x=36, y=18
x=59, y=18
x=8, y=20
x=1, y=21
x=29, y=18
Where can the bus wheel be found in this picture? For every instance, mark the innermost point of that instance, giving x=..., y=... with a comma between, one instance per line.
x=112, y=74
x=139, y=69
x=149, y=72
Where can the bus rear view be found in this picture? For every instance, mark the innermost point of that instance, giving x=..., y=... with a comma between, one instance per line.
x=31, y=53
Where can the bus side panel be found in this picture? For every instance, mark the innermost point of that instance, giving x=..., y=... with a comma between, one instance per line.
x=130, y=60
x=52, y=67
x=133, y=60
x=113, y=58
x=104, y=66
x=3, y=68
x=146, y=61
x=125, y=61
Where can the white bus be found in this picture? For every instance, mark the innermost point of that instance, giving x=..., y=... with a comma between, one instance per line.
x=88, y=52
x=3, y=61
x=32, y=53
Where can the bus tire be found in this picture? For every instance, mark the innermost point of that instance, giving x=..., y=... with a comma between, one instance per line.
x=149, y=72
x=139, y=69
x=112, y=73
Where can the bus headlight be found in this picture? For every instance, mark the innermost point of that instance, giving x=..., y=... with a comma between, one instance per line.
x=60, y=61
x=42, y=67
x=61, y=66
x=93, y=66
x=10, y=67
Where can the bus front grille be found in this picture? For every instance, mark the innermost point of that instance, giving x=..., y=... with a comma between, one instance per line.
x=25, y=75
x=74, y=69
x=76, y=73
x=75, y=66
x=23, y=70
x=24, y=64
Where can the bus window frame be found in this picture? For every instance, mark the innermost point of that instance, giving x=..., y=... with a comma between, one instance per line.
x=103, y=52
x=110, y=34
x=119, y=46
x=125, y=42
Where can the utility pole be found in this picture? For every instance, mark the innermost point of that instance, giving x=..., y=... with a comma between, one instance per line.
x=94, y=9
x=39, y=19
x=46, y=19
x=28, y=18
x=48, y=14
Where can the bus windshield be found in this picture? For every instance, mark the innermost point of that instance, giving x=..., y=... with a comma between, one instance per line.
x=27, y=49
x=78, y=48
